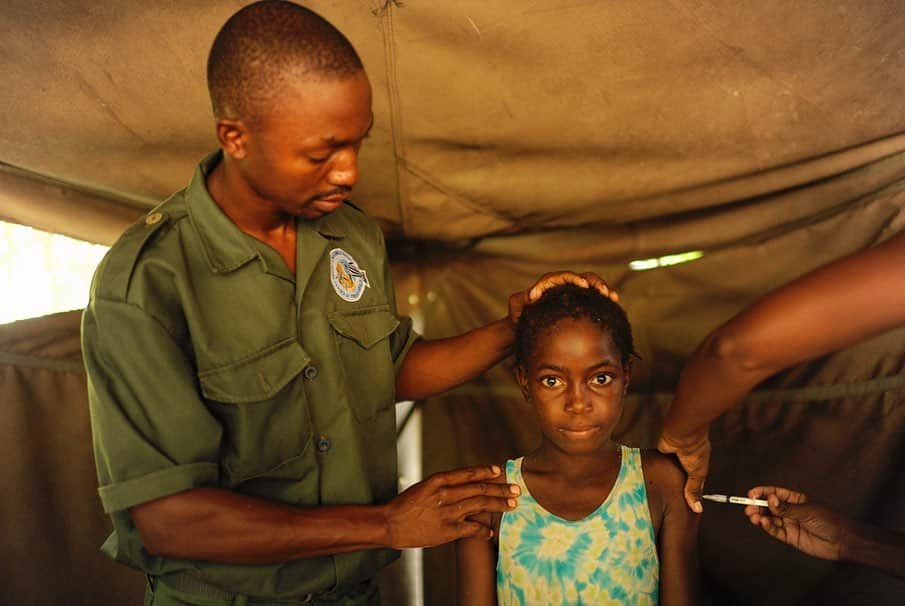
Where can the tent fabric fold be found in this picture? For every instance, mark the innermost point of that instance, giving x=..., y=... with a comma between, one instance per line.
x=488, y=118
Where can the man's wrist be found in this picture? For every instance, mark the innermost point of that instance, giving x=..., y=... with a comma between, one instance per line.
x=506, y=323
x=685, y=439
x=504, y=328
x=382, y=515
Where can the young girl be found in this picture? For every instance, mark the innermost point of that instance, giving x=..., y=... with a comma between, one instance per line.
x=596, y=522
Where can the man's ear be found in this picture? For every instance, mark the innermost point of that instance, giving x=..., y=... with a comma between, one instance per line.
x=233, y=137
x=522, y=377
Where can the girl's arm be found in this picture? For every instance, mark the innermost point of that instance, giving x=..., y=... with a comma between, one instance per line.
x=677, y=540
x=476, y=567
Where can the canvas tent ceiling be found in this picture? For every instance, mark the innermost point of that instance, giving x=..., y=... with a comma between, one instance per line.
x=513, y=138
x=489, y=117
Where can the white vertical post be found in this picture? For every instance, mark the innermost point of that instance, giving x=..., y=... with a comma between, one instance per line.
x=408, y=453
x=408, y=448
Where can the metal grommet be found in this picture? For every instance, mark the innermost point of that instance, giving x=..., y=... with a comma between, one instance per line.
x=310, y=372
x=153, y=219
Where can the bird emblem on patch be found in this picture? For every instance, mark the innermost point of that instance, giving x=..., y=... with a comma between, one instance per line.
x=349, y=280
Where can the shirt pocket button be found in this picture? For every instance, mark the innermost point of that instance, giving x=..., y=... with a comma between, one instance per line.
x=310, y=372
x=323, y=444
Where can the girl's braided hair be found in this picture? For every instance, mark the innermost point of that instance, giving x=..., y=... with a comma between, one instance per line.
x=571, y=301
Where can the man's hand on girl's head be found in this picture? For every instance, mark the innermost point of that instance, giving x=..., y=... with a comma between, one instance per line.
x=519, y=300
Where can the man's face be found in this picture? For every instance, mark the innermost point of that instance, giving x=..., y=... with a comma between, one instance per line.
x=302, y=157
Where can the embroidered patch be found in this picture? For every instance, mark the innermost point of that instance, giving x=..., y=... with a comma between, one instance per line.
x=349, y=280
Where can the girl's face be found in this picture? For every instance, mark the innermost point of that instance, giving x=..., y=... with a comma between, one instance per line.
x=575, y=378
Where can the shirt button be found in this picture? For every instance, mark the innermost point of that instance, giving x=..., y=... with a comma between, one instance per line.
x=310, y=372
x=153, y=218
x=323, y=444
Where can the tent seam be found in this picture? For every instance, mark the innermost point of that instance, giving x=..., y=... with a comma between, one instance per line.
x=385, y=13
x=11, y=359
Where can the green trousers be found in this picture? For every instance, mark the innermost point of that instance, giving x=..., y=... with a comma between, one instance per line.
x=160, y=593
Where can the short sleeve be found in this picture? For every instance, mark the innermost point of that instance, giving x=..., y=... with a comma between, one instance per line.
x=405, y=335
x=152, y=434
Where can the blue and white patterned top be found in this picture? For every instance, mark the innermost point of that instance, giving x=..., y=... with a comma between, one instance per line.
x=609, y=557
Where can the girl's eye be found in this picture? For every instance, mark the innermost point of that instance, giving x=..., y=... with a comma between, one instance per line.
x=318, y=159
x=602, y=379
x=549, y=381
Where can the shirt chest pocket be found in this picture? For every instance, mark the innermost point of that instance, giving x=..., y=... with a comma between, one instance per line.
x=369, y=374
x=261, y=403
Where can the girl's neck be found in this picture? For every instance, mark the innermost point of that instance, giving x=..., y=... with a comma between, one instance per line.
x=549, y=459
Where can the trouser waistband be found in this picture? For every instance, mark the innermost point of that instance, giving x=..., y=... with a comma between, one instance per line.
x=192, y=585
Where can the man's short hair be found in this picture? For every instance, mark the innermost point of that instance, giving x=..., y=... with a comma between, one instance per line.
x=263, y=45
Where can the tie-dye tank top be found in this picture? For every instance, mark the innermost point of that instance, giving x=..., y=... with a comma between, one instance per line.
x=609, y=557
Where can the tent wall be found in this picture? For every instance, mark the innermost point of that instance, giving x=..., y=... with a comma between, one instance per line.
x=53, y=521
x=29, y=200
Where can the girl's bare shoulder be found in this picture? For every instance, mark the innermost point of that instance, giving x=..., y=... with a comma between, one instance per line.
x=663, y=469
x=664, y=480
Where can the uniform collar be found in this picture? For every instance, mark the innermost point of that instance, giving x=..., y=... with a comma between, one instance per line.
x=225, y=245
x=329, y=226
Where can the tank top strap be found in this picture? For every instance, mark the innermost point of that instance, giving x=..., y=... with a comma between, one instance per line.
x=628, y=498
x=632, y=469
x=514, y=475
x=631, y=476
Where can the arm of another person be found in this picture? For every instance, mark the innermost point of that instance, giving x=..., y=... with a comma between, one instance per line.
x=677, y=540
x=835, y=306
x=432, y=367
x=823, y=533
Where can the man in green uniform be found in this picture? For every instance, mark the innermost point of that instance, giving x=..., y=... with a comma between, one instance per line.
x=244, y=353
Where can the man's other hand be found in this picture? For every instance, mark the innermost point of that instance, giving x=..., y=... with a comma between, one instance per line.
x=437, y=510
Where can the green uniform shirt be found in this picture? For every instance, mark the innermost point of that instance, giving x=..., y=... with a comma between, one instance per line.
x=210, y=364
